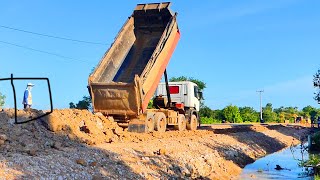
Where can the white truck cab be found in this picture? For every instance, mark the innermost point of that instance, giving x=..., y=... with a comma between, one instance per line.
x=185, y=92
x=184, y=98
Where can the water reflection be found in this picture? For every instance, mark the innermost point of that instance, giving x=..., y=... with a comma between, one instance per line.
x=288, y=159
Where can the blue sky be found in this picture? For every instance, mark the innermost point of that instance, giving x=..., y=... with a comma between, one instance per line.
x=236, y=47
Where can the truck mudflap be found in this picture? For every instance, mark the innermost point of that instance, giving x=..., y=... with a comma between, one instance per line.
x=138, y=126
x=144, y=123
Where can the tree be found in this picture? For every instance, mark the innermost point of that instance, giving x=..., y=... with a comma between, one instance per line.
x=248, y=114
x=201, y=84
x=287, y=113
x=291, y=110
x=292, y=113
x=209, y=116
x=218, y=115
x=278, y=110
x=180, y=78
x=232, y=114
x=85, y=103
x=206, y=112
x=268, y=114
x=72, y=105
x=316, y=84
x=2, y=99
x=282, y=117
x=311, y=112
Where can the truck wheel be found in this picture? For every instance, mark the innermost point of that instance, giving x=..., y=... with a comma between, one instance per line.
x=193, y=123
x=149, y=125
x=182, y=124
x=160, y=122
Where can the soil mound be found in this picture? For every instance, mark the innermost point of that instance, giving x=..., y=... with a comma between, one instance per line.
x=84, y=126
x=69, y=124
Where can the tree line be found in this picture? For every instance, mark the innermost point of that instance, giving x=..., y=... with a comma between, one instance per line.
x=2, y=99
x=234, y=114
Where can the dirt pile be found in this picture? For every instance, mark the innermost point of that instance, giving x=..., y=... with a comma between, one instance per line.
x=76, y=125
x=76, y=144
x=61, y=130
x=29, y=138
x=8, y=115
x=83, y=126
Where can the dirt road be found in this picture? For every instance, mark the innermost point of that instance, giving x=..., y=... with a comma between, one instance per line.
x=73, y=144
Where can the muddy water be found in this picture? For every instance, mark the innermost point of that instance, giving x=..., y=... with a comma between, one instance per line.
x=288, y=159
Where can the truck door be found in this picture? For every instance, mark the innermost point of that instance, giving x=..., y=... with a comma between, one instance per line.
x=177, y=93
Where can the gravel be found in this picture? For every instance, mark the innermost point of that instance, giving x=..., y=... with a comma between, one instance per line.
x=58, y=147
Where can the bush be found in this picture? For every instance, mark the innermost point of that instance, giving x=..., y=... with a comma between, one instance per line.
x=150, y=104
x=232, y=114
x=206, y=120
x=316, y=140
x=85, y=103
x=291, y=119
x=2, y=98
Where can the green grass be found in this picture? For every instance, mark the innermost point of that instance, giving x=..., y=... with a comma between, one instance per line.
x=313, y=160
x=205, y=120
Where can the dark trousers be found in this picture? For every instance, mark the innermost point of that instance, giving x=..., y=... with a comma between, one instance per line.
x=26, y=106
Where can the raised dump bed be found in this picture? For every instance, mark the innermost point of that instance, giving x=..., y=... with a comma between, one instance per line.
x=126, y=78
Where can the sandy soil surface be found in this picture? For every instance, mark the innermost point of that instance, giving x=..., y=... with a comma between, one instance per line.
x=75, y=144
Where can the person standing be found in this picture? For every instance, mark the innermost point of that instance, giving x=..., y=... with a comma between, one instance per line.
x=27, y=98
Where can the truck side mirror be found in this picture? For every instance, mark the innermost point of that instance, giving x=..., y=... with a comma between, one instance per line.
x=200, y=95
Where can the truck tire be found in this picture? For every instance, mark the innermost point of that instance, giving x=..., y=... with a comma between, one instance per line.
x=192, y=124
x=182, y=123
x=160, y=122
x=149, y=125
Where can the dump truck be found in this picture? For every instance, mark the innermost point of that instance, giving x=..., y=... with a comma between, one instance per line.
x=126, y=78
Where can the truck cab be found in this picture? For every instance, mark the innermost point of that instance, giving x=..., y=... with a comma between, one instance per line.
x=183, y=92
x=184, y=98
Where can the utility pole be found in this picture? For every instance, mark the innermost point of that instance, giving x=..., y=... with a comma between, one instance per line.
x=260, y=92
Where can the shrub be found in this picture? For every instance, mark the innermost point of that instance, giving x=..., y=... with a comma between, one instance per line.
x=206, y=120
x=2, y=98
x=316, y=140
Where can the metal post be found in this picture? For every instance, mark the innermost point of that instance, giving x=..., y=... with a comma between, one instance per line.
x=167, y=88
x=260, y=92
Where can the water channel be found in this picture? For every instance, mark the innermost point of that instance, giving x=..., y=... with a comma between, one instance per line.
x=288, y=159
